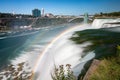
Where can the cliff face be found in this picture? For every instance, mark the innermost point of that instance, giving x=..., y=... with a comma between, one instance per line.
x=42, y=22
x=92, y=68
x=20, y=22
x=14, y=23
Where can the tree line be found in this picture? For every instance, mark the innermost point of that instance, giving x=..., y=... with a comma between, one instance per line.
x=111, y=14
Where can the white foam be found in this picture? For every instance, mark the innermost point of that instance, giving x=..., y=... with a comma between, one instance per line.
x=62, y=51
x=101, y=23
x=28, y=57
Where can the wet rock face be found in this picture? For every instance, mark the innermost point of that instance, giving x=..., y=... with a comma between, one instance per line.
x=0, y=78
x=16, y=72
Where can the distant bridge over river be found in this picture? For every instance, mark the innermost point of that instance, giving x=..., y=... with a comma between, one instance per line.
x=81, y=18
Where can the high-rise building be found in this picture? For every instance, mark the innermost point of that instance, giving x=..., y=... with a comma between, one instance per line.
x=43, y=12
x=36, y=13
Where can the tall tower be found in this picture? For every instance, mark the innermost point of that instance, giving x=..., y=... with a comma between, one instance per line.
x=13, y=13
x=42, y=12
x=86, y=18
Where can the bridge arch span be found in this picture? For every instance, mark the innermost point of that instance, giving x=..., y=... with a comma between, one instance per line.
x=76, y=19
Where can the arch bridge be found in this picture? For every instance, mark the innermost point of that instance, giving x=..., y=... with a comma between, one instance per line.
x=82, y=19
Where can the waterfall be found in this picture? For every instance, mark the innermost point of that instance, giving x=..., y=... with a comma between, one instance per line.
x=102, y=23
x=41, y=59
x=61, y=51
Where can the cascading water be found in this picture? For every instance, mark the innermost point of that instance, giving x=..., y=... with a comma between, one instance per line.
x=25, y=56
x=102, y=23
x=61, y=51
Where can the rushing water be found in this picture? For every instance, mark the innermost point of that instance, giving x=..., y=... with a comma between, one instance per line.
x=62, y=51
x=50, y=46
x=28, y=49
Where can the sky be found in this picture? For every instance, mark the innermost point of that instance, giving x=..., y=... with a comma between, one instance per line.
x=60, y=7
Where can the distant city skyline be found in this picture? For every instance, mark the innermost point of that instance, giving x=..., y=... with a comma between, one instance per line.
x=60, y=7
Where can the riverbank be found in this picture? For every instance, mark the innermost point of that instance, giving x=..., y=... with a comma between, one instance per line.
x=108, y=69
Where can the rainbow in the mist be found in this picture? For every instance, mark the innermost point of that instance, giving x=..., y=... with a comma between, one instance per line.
x=48, y=46
x=45, y=53
x=36, y=69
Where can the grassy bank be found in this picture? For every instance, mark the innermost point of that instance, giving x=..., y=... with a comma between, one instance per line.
x=109, y=69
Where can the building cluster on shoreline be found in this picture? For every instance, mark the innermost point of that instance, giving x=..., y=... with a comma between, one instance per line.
x=41, y=13
x=35, y=14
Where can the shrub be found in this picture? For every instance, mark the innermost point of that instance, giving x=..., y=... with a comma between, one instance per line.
x=63, y=73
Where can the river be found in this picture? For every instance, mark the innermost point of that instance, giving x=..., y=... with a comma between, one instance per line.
x=29, y=49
